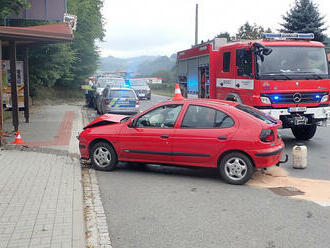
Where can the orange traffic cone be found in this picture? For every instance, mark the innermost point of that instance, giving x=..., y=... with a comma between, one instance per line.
x=177, y=93
x=18, y=139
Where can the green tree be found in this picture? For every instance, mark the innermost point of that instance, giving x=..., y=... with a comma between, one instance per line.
x=304, y=17
x=251, y=32
x=8, y=7
x=225, y=35
x=89, y=29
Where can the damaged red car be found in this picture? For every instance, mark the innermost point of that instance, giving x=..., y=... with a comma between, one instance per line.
x=230, y=136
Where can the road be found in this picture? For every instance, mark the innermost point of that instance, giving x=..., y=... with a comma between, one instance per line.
x=159, y=206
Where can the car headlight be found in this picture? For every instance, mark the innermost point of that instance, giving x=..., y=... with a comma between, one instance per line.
x=324, y=98
x=265, y=100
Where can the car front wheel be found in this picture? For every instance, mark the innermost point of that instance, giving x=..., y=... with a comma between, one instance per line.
x=103, y=157
x=236, y=168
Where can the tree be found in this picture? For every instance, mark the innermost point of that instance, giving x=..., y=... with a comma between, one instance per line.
x=89, y=29
x=8, y=7
x=225, y=35
x=304, y=17
x=251, y=32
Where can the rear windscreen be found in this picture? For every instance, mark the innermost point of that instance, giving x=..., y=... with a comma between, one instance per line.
x=122, y=94
x=256, y=113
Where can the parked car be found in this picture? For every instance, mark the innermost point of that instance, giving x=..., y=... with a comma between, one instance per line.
x=232, y=137
x=100, y=85
x=106, y=82
x=119, y=100
x=141, y=88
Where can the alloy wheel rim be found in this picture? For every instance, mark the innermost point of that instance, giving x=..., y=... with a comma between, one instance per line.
x=102, y=157
x=235, y=168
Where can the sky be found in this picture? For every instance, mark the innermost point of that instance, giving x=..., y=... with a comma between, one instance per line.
x=158, y=27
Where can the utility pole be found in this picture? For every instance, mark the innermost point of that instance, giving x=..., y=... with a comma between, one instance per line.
x=196, y=25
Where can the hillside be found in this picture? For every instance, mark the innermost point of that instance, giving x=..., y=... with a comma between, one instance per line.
x=142, y=65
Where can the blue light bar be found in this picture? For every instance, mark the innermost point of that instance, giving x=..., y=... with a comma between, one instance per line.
x=309, y=36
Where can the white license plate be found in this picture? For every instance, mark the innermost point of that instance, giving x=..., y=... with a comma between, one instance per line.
x=297, y=109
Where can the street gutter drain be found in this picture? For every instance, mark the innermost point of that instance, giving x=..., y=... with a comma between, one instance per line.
x=287, y=191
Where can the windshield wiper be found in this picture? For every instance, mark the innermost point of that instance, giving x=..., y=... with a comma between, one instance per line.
x=275, y=74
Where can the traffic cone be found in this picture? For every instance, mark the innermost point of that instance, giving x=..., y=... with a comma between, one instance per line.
x=177, y=93
x=18, y=139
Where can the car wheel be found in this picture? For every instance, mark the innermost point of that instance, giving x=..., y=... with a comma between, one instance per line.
x=304, y=132
x=236, y=168
x=103, y=157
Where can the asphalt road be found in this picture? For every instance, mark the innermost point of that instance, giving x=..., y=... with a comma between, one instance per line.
x=159, y=206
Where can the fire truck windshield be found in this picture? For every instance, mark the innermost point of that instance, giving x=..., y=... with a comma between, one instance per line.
x=293, y=63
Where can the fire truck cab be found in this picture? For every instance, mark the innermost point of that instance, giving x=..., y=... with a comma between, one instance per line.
x=283, y=75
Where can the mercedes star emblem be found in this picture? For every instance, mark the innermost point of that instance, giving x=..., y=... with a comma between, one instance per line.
x=297, y=97
x=297, y=83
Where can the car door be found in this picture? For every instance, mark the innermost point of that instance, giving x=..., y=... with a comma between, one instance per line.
x=202, y=136
x=149, y=137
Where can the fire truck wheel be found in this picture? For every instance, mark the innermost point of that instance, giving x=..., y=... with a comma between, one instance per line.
x=236, y=168
x=304, y=132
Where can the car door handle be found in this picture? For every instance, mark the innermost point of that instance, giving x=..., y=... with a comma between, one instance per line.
x=222, y=137
x=164, y=136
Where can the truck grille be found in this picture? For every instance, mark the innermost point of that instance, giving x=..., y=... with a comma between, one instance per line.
x=296, y=97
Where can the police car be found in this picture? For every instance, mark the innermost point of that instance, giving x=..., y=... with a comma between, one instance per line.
x=119, y=101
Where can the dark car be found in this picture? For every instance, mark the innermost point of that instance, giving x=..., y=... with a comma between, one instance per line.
x=141, y=88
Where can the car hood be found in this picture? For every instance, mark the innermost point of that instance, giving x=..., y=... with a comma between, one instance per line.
x=106, y=119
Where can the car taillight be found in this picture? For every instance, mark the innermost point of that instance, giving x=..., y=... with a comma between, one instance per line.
x=137, y=102
x=267, y=135
x=106, y=101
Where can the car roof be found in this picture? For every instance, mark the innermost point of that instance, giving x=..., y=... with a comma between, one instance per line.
x=204, y=101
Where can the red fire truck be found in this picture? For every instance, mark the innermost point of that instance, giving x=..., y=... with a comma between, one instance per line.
x=283, y=75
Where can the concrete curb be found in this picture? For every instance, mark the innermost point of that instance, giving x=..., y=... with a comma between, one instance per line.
x=97, y=234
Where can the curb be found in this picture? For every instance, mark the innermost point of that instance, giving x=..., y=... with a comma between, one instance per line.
x=97, y=234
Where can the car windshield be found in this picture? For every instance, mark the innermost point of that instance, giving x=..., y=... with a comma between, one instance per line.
x=293, y=61
x=256, y=113
x=138, y=83
x=113, y=82
x=122, y=93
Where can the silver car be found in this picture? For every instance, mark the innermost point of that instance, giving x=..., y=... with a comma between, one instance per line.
x=141, y=88
x=119, y=100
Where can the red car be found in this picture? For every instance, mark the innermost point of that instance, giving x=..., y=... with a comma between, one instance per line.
x=232, y=137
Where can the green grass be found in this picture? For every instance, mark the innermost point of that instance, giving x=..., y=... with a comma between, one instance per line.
x=6, y=115
x=163, y=92
x=57, y=95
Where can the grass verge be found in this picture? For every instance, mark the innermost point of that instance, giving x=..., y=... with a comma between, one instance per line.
x=163, y=92
x=57, y=95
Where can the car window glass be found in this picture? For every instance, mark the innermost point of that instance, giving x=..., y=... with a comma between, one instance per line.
x=161, y=117
x=105, y=92
x=122, y=93
x=257, y=114
x=199, y=117
x=223, y=120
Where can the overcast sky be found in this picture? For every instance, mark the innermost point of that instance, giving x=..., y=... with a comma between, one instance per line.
x=163, y=27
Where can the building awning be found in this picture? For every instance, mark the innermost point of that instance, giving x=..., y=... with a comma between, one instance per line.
x=57, y=32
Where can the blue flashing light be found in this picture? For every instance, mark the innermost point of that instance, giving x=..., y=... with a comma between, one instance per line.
x=317, y=96
x=127, y=84
x=276, y=98
x=308, y=36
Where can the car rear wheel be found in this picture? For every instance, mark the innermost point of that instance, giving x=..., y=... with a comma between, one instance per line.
x=103, y=157
x=236, y=168
x=304, y=132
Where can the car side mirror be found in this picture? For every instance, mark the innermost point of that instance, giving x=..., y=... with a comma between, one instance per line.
x=130, y=123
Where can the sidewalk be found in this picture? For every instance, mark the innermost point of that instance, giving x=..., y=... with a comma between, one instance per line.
x=41, y=197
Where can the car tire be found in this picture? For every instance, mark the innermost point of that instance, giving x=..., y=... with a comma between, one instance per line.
x=304, y=132
x=236, y=168
x=103, y=157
